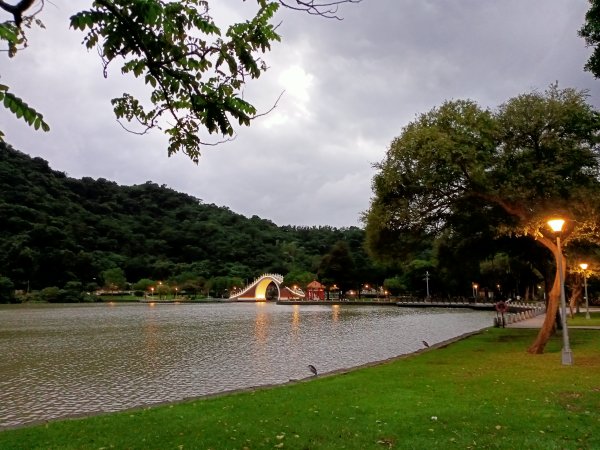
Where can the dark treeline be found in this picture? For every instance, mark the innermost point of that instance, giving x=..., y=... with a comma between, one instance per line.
x=57, y=231
x=62, y=237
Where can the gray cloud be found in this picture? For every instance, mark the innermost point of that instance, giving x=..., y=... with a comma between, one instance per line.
x=309, y=162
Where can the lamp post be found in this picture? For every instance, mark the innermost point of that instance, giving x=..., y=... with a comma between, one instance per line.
x=427, y=282
x=567, y=356
x=584, y=267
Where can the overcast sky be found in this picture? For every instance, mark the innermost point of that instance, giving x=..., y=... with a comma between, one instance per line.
x=351, y=86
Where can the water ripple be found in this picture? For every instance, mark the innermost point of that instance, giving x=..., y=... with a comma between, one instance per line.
x=58, y=361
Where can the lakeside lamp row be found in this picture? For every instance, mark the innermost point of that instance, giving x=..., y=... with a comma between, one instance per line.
x=160, y=284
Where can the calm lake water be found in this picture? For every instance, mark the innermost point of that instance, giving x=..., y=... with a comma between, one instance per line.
x=58, y=361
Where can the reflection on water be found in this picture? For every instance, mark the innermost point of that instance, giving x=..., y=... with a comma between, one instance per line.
x=261, y=323
x=335, y=313
x=57, y=361
x=295, y=319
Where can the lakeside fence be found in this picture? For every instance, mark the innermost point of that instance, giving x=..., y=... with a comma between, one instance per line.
x=518, y=311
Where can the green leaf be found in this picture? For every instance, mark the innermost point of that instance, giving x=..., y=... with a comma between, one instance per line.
x=197, y=76
x=8, y=32
x=22, y=110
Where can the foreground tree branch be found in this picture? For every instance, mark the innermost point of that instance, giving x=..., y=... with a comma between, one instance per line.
x=324, y=9
x=17, y=10
x=196, y=70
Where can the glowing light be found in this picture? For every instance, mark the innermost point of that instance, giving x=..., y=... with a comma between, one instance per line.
x=556, y=224
x=584, y=266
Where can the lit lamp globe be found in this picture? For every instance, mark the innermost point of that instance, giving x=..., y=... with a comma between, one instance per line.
x=556, y=224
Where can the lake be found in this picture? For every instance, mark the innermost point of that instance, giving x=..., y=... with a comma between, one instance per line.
x=64, y=360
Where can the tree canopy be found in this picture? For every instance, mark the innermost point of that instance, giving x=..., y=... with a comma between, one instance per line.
x=57, y=229
x=590, y=31
x=504, y=171
x=196, y=69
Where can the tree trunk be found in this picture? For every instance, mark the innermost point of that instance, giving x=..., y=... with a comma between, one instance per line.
x=576, y=295
x=549, y=324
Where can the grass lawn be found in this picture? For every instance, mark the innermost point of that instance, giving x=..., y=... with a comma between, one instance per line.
x=481, y=392
x=118, y=298
x=580, y=320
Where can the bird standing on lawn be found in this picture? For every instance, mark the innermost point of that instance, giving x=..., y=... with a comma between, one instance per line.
x=313, y=369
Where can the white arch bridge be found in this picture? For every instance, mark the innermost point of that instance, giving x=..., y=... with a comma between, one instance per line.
x=257, y=290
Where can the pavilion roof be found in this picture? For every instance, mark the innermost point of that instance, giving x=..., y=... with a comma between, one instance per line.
x=315, y=285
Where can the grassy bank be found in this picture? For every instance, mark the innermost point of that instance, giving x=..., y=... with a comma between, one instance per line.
x=482, y=392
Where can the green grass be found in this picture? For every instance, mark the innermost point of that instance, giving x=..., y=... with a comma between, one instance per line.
x=579, y=320
x=118, y=298
x=484, y=392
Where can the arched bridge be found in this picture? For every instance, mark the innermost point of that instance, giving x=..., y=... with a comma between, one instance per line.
x=257, y=290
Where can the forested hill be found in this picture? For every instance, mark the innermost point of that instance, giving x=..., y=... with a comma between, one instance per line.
x=56, y=229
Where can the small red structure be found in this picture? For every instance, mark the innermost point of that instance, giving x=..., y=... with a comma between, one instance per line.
x=315, y=291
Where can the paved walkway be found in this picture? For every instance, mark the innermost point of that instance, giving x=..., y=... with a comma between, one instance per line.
x=534, y=322
x=537, y=321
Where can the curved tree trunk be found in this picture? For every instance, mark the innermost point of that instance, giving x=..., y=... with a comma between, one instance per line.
x=576, y=296
x=548, y=326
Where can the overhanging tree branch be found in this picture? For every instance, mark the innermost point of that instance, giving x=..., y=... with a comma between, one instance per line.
x=317, y=8
x=17, y=10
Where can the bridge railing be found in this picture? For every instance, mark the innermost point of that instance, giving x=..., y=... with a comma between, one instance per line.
x=275, y=276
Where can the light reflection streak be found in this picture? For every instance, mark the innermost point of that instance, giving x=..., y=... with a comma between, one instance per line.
x=335, y=313
x=261, y=323
x=296, y=320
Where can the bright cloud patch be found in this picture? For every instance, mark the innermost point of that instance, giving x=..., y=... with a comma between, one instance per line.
x=297, y=82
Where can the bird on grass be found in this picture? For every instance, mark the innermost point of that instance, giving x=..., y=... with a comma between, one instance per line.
x=426, y=344
x=313, y=369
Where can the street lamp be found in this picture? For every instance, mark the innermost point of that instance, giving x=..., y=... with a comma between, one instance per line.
x=475, y=287
x=336, y=290
x=584, y=267
x=567, y=356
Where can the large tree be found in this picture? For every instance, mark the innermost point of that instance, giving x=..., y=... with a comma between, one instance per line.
x=338, y=268
x=534, y=157
x=590, y=31
x=196, y=70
